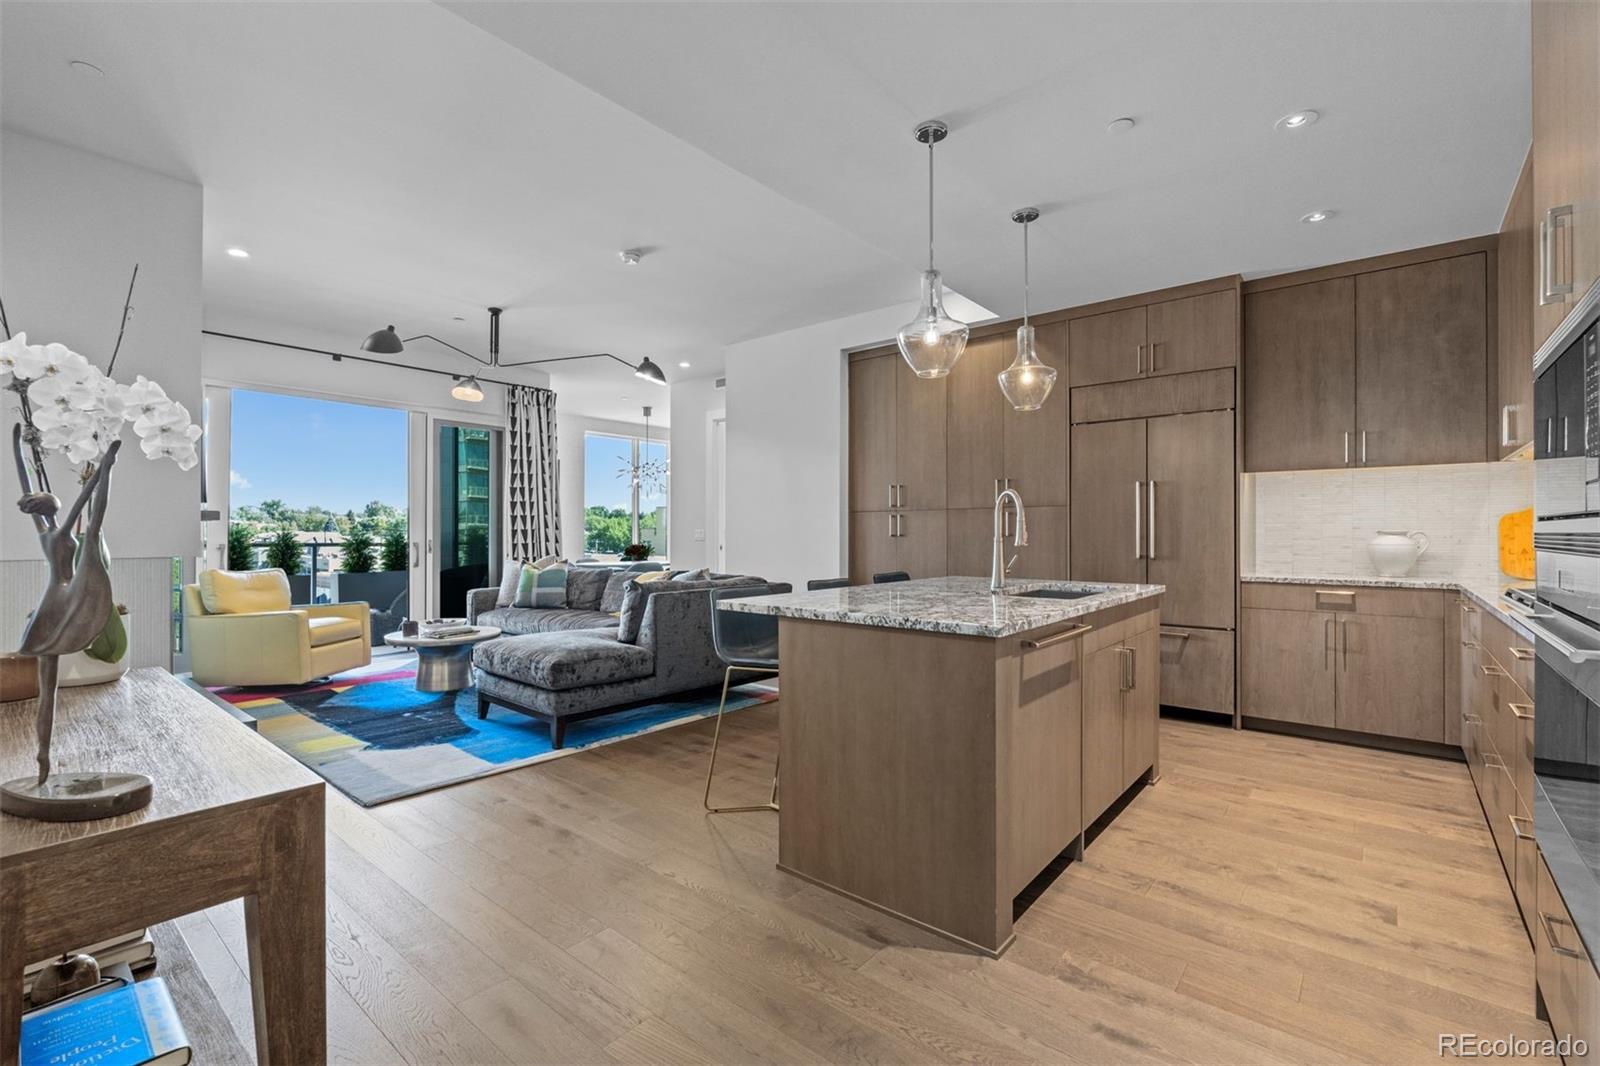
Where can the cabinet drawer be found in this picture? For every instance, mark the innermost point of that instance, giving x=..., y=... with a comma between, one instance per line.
x=1471, y=619
x=1499, y=803
x=1414, y=603
x=1525, y=868
x=1510, y=650
x=1566, y=974
x=1197, y=668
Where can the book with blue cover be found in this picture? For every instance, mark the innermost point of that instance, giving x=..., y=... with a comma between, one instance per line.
x=136, y=1025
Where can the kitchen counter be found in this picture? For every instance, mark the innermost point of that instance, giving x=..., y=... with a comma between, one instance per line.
x=1486, y=593
x=962, y=606
x=940, y=746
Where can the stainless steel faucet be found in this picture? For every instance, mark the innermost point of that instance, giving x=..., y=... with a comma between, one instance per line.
x=998, y=565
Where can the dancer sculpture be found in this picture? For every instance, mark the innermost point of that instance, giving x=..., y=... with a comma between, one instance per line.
x=78, y=598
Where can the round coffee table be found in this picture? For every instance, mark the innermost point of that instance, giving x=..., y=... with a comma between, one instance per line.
x=444, y=664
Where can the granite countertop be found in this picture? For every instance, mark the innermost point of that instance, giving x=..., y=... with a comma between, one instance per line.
x=960, y=605
x=1485, y=591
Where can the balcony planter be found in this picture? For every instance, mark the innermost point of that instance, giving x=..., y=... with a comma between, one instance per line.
x=300, y=588
x=377, y=589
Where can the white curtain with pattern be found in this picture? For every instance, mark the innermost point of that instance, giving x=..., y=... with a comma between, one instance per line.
x=533, y=508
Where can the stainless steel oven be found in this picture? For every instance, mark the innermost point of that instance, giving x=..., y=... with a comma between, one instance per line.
x=1566, y=535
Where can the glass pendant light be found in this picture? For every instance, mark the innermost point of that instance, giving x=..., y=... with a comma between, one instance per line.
x=1026, y=382
x=933, y=341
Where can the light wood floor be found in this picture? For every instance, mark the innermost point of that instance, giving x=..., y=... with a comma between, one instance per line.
x=1271, y=900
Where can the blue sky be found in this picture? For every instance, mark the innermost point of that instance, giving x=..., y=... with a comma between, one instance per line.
x=603, y=457
x=302, y=451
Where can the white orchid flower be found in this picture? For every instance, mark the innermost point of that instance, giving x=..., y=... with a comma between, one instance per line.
x=142, y=395
x=9, y=352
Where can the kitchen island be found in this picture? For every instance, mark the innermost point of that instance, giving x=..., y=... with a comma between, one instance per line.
x=941, y=745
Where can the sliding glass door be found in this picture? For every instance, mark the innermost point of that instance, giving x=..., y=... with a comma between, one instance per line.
x=466, y=462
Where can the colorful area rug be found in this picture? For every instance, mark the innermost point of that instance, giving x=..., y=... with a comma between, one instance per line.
x=375, y=738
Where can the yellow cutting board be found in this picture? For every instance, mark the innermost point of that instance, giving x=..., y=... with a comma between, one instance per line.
x=1516, y=543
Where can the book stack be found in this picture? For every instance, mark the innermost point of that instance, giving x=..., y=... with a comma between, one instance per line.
x=446, y=629
x=134, y=949
x=117, y=1023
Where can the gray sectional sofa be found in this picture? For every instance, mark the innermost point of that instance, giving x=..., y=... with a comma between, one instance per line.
x=558, y=663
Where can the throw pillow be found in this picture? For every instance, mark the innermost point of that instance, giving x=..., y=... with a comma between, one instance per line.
x=616, y=584
x=631, y=620
x=544, y=586
x=700, y=574
x=510, y=574
x=585, y=586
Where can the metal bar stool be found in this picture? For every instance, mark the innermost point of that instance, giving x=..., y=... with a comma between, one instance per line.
x=890, y=575
x=827, y=583
x=746, y=642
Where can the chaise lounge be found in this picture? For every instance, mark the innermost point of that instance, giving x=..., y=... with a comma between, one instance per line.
x=559, y=664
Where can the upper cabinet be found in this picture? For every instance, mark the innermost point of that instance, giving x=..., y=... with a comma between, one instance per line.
x=1514, y=298
x=1566, y=155
x=992, y=445
x=1370, y=365
x=897, y=437
x=1168, y=337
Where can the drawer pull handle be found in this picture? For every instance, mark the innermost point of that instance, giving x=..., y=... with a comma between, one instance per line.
x=1521, y=710
x=1056, y=638
x=1467, y=608
x=1472, y=719
x=1496, y=764
x=1550, y=920
x=1181, y=634
x=1471, y=644
x=1522, y=655
x=1517, y=830
x=1493, y=671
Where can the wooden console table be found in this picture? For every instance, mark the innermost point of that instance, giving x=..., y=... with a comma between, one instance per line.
x=233, y=817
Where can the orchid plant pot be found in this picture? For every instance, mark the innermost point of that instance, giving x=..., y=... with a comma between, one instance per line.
x=84, y=668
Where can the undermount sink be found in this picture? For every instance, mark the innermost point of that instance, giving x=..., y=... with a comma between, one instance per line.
x=1057, y=594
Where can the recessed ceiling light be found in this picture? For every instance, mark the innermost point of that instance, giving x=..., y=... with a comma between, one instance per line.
x=238, y=253
x=1120, y=125
x=1317, y=216
x=1295, y=120
x=630, y=256
x=458, y=318
x=83, y=66
x=685, y=365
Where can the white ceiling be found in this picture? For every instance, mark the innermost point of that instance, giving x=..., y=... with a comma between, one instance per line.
x=411, y=162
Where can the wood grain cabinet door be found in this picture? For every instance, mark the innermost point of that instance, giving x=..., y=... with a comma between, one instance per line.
x=1189, y=515
x=969, y=535
x=872, y=433
x=1107, y=347
x=1141, y=705
x=1286, y=666
x=874, y=545
x=1194, y=333
x=1108, y=500
x=1045, y=555
x=919, y=433
x=1516, y=296
x=974, y=421
x=1300, y=376
x=920, y=544
x=1036, y=441
x=1391, y=676
x=1103, y=676
x=1422, y=363
x=1045, y=750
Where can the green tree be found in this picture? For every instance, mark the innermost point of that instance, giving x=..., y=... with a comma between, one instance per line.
x=396, y=553
x=277, y=512
x=284, y=552
x=606, y=530
x=241, y=550
x=358, y=554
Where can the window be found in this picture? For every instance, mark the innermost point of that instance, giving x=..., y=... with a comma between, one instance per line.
x=624, y=494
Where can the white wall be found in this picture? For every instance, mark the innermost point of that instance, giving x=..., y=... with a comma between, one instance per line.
x=72, y=226
x=693, y=525
x=787, y=448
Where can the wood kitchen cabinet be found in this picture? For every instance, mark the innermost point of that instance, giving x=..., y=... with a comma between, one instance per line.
x=897, y=437
x=991, y=444
x=1121, y=713
x=1515, y=300
x=1566, y=155
x=913, y=541
x=1108, y=523
x=1045, y=743
x=1177, y=336
x=1363, y=660
x=1383, y=362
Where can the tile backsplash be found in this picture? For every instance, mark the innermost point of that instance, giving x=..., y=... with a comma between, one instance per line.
x=1318, y=522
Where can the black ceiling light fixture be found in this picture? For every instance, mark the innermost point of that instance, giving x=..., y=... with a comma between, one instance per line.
x=387, y=342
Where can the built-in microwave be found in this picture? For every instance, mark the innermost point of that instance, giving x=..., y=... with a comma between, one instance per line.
x=1566, y=535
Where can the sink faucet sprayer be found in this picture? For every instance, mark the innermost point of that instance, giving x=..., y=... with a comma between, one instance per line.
x=998, y=565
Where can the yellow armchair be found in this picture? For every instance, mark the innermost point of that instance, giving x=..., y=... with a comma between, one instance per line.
x=240, y=629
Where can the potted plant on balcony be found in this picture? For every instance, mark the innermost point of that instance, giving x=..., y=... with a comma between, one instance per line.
x=283, y=553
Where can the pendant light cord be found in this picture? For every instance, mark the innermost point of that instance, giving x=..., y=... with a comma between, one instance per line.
x=1025, y=273
x=930, y=203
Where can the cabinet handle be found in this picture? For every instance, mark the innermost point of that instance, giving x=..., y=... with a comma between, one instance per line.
x=1566, y=437
x=1363, y=447
x=899, y=494
x=1344, y=643
x=1471, y=644
x=1138, y=360
x=1138, y=519
x=1327, y=643
x=1153, y=346
x=1493, y=671
x=1126, y=654
x=1505, y=425
x=1521, y=710
x=1549, y=436
x=1057, y=638
x=1549, y=920
x=1560, y=219
x=1471, y=719
x=1347, y=447
x=1516, y=830
x=1497, y=764
x=1151, y=553
x=1522, y=654
x=1467, y=608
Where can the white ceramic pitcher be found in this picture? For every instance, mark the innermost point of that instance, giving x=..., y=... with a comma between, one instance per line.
x=1395, y=551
